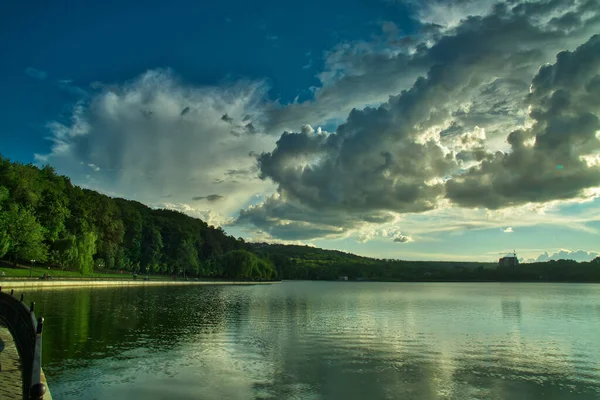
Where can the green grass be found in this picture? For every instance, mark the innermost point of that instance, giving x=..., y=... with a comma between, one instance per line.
x=56, y=273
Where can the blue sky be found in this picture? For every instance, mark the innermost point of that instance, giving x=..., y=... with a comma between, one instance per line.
x=205, y=43
x=172, y=103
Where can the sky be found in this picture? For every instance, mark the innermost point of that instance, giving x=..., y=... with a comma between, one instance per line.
x=416, y=130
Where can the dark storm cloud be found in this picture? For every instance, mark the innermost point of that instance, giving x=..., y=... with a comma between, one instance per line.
x=227, y=118
x=250, y=129
x=382, y=159
x=290, y=220
x=564, y=106
x=210, y=197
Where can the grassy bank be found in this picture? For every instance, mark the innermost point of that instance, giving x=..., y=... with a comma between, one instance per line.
x=36, y=272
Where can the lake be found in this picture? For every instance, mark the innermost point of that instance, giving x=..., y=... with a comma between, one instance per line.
x=323, y=340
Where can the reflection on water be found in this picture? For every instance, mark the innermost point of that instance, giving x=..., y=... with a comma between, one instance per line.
x=324, y=340
x=511, y=310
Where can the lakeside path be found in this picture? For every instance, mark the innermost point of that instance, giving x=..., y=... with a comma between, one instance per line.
x=10, y=372
x=58, y=283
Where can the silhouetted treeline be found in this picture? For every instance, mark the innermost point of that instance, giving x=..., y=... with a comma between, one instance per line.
x=304, y=262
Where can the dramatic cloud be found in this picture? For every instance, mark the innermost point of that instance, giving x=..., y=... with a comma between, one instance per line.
x=442, y=141
x=154, y=137
x=557, y=158
x=577, y=255
x=367, y=72
x=36, y=73
x=487, y=111
x=356, y=74
x=287, y=219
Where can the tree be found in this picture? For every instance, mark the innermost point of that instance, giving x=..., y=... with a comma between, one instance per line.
x=76, y=252
x=4, y=239
x=64, y=252
x=133, y=222
x=152, y=246
x=86, y=248
x=187, y=257
x=242, y=264
x=52, y=210
x=106, y=218
x=25, y=234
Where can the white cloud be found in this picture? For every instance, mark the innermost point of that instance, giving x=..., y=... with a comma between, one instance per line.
x=154, y=137
x=449, y=13
x=566, y=254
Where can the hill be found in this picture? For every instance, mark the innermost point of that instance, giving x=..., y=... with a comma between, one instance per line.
x=44, y=217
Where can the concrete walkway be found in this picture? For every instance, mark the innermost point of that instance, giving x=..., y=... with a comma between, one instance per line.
x=10, y=375
x=56, y=283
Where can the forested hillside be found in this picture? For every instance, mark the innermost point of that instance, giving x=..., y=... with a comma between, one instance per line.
x=305, y=262
x=44, y=217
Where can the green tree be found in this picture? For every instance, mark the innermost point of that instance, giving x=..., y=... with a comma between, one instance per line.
x=187, y=257
x=86, y=248
x=52, y=209
x=242, y=264
x=25, y=234
x=64, y=252
x=133, y=222
x=4, y=238
x=152, y=246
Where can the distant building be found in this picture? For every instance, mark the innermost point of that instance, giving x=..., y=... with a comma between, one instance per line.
x=343, y=278
x=510, y=260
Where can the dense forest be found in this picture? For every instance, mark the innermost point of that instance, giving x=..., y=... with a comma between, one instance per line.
x=44, y=217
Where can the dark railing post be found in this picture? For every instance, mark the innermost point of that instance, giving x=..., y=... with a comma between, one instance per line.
x=37, y=391
x=38, y=388
x=27, y=333
x=40, y=325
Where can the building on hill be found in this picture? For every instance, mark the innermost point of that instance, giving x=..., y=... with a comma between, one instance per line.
x=510, y=260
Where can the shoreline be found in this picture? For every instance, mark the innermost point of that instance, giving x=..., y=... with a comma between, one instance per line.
x=48, y=284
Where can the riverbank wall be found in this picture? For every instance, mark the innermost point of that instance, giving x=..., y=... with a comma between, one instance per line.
x=58, y=283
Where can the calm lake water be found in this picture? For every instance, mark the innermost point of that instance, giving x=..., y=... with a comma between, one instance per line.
x=324, y=340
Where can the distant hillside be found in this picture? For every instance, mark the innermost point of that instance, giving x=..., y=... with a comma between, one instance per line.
x=305, y=262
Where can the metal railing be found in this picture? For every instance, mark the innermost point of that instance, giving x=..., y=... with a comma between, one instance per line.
x=27, y=333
